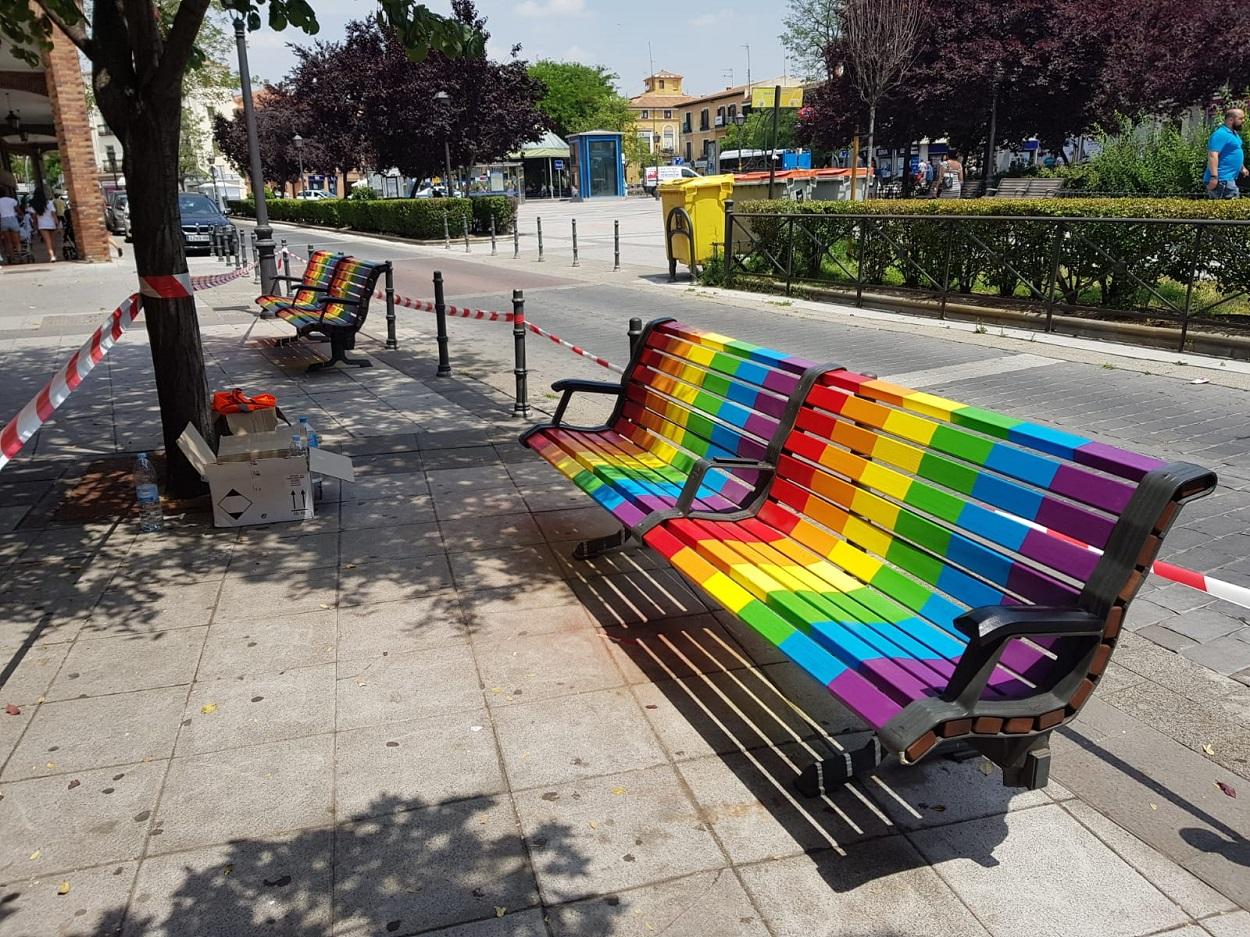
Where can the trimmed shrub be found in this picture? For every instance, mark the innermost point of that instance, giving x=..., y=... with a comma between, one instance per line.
x=502, y=207
x=1116, y=265
x=419, y=218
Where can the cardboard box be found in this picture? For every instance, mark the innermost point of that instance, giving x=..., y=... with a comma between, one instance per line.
x=252, y=480
x=256, y=421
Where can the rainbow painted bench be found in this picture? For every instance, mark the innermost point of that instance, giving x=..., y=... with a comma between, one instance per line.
x=950, y=574
x=335, y=311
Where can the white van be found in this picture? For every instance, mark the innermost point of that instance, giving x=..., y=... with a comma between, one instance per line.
x=653, y=175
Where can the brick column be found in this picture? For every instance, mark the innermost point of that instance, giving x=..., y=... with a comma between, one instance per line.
x=73, y=136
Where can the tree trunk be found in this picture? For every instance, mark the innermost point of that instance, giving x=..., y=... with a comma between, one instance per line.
x=869, y=179
x=150, y=144
x=987, y=174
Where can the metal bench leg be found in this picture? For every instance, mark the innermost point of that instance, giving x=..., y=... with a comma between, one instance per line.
x=1025, y=762
x=338, y=352
x=824, y=777
x=595, y=546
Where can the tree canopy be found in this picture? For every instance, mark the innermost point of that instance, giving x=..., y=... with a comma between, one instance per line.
x=581, y=97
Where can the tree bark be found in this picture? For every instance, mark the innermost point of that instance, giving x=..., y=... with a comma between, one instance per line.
x=869, y=178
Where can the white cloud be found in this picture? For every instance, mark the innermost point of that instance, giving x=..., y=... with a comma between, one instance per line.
x=538, y=9
x=578, y=54
x=706, y=19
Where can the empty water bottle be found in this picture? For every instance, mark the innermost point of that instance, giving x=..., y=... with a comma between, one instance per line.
x=297, y=446
x=310, y=434
x=147, y=495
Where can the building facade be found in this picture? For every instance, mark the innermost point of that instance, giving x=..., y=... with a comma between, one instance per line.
x=706, y=120
x=657, y=113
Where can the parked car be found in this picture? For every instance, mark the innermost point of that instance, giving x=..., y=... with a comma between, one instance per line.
x=665, y=174
x=313, y=194
x=200, y=219
x=121, y=217
x=112, y=201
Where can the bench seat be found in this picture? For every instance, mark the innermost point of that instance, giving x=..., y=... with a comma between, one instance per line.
x=308, y=288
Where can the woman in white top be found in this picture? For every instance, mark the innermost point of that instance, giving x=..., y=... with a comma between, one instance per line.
x=46, y=220
x=9, y=226
x=952, y=176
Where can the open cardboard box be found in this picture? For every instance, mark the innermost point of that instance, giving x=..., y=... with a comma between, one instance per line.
x=252, y=480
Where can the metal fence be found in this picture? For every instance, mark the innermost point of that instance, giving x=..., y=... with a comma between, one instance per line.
x=1175, y=271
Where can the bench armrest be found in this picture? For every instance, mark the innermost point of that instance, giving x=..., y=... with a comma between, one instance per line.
x=569, y=386
x=991, y=628
x=695, y=479
x=300, y=281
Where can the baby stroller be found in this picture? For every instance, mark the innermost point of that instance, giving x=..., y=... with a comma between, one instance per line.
x=69, y=248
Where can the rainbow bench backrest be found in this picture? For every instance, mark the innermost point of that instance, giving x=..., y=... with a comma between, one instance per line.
x=318, y=272
x=353, y=279
x=692, y=394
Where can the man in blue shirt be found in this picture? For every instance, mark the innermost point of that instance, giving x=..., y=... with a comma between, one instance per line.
x=1225, y=158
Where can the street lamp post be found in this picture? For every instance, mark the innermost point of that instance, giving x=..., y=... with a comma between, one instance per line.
x=264, y=232
x=442, y=98
x=299, y=149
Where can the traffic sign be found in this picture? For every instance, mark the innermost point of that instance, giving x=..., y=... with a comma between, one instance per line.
x=559, y=164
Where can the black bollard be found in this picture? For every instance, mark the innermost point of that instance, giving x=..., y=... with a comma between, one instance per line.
x=616, y=245
x=516, y=239
x=635, y=335
x=540, y=240
x=286, y=269
x=575, y=242
x=446, y=232
x=522, y=406
x=466, y=234
x=493, y=251
x=440, y=315
x=391, y=342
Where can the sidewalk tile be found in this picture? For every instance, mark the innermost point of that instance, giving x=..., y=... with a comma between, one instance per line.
x=500, y=621
x=386, y=463
x=144, y=610
x=373, y=544
x=235, y=648
x=252, y=599
x=464, y=457
x=12, y=727
x=265, y=707
x=1226, y=655
x=388, y=628
x=1166, y=637
x=265, y=554
x=610, y=833
x=384, y=487
x=94, y=906
x=446, y=757
x=482, y=604
x=99, y=666
x=35, y=668
x=1205, y=624
x=406, y=686
x=577, y=523
x=429, y=867
x=403, y=578
x=81, y=734
x=505, y=568
x=277, y=885
x=75, y=828
x=1236, y=924
x=1195, y=897
x=246, y=792
x=414, y=508
x=700, y=905
x=629, y=598
x=518, y=924
x=1089, y=890
x=550, y=742
x=456, y=503
x=881, y=887
x=541, y=667
x=633, y=558
x=943, y=791
x=671, y=648
x=493, y=530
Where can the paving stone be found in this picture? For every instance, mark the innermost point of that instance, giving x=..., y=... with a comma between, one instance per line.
x=386, y=628
x=1236, y=924
x=1143, y=612
x=1225, y=655
x=387, y=463
x=421, y=869
x=77, y=735
x=630, y=598
x=1191, y=723
x=279, y=885
x=942, y=791
x=1167, y=638
x=493, y=530
x=580, y=523
x=1179, y=598
x=400, y=578
x=453, y=504
x=505, y=568
x=238, y=648
x=519, y=924
x=247, y=599
x=34, y=668
x=378, y=544
x=375, y=487
x=125, y=611
x=258, y=708
x=242, y=793
x=1196, y=898
x=552, y=741
x=268, y=554
x=695, y=906
x=615, y=832
x=72, y=829
x=1205, y=624
x=672, y=648
x=484, y=604
x=462, y=457
x=100, y=666
x=12, y=726
x=521, y=671
x=406, y=686
x=629, y=559
x=882, y=887
x=423, y=761
x=94, y=906
x=387, y=512
x=500, y=621
x=990, y=862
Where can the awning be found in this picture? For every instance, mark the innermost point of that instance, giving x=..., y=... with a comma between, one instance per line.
x=550, y=146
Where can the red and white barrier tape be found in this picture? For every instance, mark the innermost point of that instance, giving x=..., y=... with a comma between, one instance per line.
x=1228, y=591
x=462, y=312
x=66, y=379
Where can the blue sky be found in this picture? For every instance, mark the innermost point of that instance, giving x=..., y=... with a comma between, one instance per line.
x=702, y=43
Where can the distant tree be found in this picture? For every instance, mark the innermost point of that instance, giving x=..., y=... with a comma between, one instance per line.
x=755, y=133
x=280, y=116
x=580, y=97
x=810, y=27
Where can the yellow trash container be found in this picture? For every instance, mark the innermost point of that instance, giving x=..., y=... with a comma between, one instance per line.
x=694, y=218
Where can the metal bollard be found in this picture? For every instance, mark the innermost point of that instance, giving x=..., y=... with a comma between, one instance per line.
x=214, y=246
x=493, y=251
x=238, y=249
x=446, y=232
x=255, y=261
x=522, y=406
x=575, y=242
x=286, y=269
x=224, y=247
x=466, y=234
x=516, y=239
x=635, y=335
x=540, y=240
x=616, y=245
x=440, y=315
x=391, y=342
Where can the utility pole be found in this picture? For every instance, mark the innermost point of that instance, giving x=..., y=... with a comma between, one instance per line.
x=748, y=48
x=264, y=232
x=655, y=149
x=772, y=151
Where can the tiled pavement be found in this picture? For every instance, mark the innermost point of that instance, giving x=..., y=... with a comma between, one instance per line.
x=415, y=714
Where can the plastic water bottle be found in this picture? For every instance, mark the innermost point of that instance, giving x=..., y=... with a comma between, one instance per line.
x=297, y=446
x=148, y=495
x=310, y=434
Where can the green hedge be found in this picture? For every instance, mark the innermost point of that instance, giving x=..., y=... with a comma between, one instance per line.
x=420, y=218
x=1095, y=261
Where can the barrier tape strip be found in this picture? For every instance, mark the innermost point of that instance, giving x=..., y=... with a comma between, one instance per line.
x=463, y=312
x=1228, y=591
x=67, y=378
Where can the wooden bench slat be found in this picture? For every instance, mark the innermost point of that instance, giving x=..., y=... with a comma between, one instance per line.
x=732, y=346
x=723, y=366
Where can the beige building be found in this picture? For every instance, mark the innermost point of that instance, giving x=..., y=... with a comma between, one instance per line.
x=658, y=113
x=705, y=120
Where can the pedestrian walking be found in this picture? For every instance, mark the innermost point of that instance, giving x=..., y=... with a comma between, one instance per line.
x=952, y=176
x=1226, y=160
x=46, y=221
x=9, y=226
